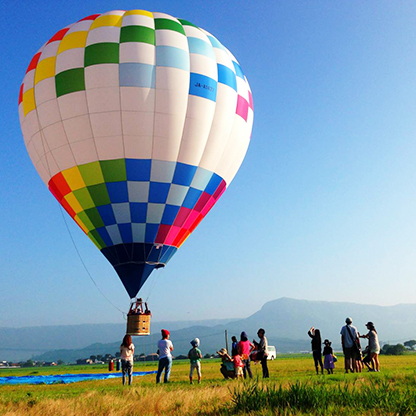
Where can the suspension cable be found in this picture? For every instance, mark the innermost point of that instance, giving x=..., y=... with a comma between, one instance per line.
x=85, y=266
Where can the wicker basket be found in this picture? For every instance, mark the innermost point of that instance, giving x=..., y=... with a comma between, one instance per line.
x=138, y=324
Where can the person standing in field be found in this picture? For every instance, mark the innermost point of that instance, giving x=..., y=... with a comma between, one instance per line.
x=328, y=357
x=127, y=357
x=238, y=366
x=165, y=347
x=373, y=345
x=261, y=347
x=195, y=355
x=234, y=346
x=316, y=342
x=349, y=337
x=358, y=356
x=244, y=349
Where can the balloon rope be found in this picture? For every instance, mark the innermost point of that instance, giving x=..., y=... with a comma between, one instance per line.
x=85, y=266
x=153, y=284
x=67, y=227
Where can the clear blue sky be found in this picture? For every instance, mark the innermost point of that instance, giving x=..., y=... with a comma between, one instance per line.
x=323, y=207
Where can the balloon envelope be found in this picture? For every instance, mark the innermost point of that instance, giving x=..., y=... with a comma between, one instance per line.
x=137, y=122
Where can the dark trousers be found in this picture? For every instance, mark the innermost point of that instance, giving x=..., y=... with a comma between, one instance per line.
x=317, y=358
x=247, y=369
x=127, y=369
x=264, y=367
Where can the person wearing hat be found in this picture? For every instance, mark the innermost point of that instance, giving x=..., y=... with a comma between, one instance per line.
x=349, y=338
x=165, y=347
x=373, y=345
x=195, y=355
x=328, y=357
x=227, y=365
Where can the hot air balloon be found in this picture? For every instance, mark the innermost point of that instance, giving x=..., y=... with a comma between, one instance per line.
x=137, y=122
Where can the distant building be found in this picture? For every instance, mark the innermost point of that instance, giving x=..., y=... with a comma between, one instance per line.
x=150, y=357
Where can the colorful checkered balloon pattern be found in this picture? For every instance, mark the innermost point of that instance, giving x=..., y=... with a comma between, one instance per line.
x=137, y=122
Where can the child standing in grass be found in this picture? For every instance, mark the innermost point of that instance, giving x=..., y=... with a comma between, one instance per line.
x=328, y=357
x=238, y=366
x=195, y=356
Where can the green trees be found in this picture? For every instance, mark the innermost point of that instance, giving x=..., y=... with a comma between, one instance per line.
x=410, y=344
x=398, y=349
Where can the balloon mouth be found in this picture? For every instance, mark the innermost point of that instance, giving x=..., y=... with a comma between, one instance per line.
x=135, y=262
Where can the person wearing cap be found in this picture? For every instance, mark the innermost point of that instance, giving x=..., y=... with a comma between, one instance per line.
x=195, y=355
x=373, y=345
x=165, y=347
x=349, y=338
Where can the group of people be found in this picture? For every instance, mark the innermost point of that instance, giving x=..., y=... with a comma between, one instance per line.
x=165, y=348
x=235, y=366
x=354, y=357
x=242, y=353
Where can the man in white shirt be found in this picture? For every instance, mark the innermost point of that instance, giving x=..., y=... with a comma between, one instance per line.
x=349, y=336
x=165, y=347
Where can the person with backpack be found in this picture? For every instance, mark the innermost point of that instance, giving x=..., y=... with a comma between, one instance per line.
x=349, y=339
x=195, y=355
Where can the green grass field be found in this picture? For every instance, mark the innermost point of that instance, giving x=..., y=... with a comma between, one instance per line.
x=293, y=389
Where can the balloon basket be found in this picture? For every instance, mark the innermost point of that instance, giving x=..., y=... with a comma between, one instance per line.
x=138, y=325
x=138, y=319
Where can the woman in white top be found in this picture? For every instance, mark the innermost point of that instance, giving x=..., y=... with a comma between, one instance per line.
x=373, y=345
x=127, y=356
x=165, y=347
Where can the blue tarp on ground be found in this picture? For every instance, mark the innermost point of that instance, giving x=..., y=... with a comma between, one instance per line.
x=65, y=378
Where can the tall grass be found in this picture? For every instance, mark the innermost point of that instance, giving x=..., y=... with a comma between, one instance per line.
x=378, y=396
x=292, y=390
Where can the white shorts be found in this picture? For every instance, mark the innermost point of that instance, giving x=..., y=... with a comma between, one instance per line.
x=196, y=366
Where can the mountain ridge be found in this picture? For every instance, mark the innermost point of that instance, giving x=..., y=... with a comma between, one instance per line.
x=286, y=321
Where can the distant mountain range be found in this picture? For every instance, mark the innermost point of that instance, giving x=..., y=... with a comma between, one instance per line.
x=28, y=342
x=285, y=320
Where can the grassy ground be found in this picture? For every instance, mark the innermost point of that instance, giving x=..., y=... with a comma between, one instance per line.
x=293, y=389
